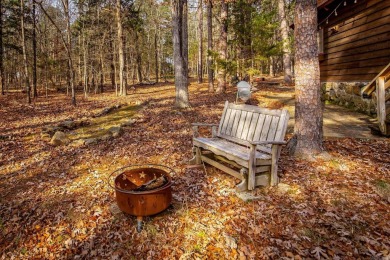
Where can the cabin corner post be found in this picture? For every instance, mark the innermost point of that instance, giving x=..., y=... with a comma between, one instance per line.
x=381, y=103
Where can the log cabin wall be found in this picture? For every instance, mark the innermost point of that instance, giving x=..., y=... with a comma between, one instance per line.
x=356, y=42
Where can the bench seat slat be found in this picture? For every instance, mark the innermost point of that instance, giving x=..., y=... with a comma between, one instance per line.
x=232, y=151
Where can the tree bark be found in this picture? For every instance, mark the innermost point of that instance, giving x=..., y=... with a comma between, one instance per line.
x=101, y=71
x=85, y=65
x=222, y=48
x=200, y=49
x=138, y=59
x=180, y=51
x=185, y=37
x=156, y=56
x=68, y=45
x=285, y=39
x=210, y=45
x=308, y=106
x=112, y=66
x=122, y=89
x=271, y=66
x=34, y=45
x=26, y=77
x=2, y=77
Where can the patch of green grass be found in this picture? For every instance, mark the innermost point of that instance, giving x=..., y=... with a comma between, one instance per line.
x=99, y=126
x=151, y=229
x=382, y=188
x=313, y=235
x=202, y=234
x=334, y=163
x=23, y=251
x=293, y=191
x=197, y=248
x=381, y=184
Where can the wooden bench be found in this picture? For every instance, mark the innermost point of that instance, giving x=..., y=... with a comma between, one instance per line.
x=246, y=144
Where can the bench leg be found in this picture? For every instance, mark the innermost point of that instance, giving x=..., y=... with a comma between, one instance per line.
x=196, y=160
x=243, y=185
x=252, y=169
x=274, y=175
x=274, y=179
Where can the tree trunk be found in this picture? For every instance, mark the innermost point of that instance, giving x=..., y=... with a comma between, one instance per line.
x=271, y=66
x=112, y=66
x=138, y=59
x=122, y=89
x=2, y=76
x=200, y=49
x=285, y=39
x=185, y=38
x=101, y=71
x=34, y=40
x=65, y=4
x=180, y=51
x=308, y=106
x=26, y=77
x=222, y=48
x=34, y=45
x=156, y=56
x=85, y=67
x=79, y=76
x=210, y=45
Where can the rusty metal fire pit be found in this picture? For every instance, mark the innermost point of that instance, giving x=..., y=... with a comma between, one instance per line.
x=142, y=190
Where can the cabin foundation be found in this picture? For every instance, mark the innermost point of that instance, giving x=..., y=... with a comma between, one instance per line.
x=347, y=94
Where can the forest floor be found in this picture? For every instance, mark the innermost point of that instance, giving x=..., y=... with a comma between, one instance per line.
x=56, y=204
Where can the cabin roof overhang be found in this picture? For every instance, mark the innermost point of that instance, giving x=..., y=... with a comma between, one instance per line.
x=321, y=4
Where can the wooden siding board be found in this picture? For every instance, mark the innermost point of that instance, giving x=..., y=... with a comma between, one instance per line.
x=359, y=57
x=349, y=78
x=376, y=27
x=353, y=71
x=354, y=64
x=360, y=50
x=364, y=40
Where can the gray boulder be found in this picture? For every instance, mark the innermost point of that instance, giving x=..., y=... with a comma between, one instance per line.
x=90, y=141
x=59, y=138
x=130, y=122
x=68, y=124
x=115, y=131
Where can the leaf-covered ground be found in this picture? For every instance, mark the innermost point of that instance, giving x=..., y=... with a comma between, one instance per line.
x=56, y=204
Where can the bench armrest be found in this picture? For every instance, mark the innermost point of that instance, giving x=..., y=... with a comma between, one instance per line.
x=196, y=125
x=267, y=142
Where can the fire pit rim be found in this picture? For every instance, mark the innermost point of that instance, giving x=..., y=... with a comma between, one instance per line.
x=167, y=169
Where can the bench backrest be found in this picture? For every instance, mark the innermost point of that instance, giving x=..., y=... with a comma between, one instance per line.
x=252, y=123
